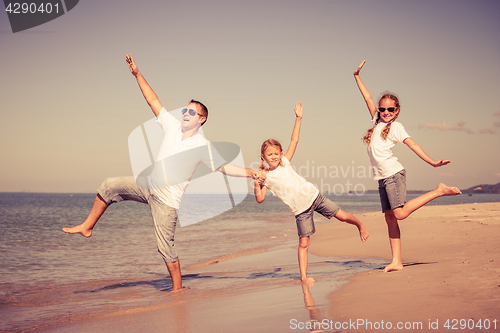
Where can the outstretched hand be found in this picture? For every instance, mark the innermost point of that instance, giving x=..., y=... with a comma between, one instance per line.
x=131, y=65
x=441, y=162
x=254, y=174
x=356, y=72
x=261, y=177
x=298, y=109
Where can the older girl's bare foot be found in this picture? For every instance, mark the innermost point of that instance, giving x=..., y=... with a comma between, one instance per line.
x=393, y=266
x=79, y=229
x=447, y=190
x=178, y=290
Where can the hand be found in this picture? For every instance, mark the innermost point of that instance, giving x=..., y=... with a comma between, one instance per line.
x=254, y=174
x=356, y=72
x=131, y=65
x=298, y=110
x=261, y=176
x=441, y=162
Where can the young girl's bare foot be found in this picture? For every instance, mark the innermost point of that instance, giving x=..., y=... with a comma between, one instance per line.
x=394, y=266
x=447, y=190
x=308, y=281
x=79, y=229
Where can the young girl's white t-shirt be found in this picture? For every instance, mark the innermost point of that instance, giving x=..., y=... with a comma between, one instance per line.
x=384, y=164
x=290, y=187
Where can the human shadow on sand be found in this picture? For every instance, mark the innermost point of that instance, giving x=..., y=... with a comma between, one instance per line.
x=408, y=264
x=165, y=284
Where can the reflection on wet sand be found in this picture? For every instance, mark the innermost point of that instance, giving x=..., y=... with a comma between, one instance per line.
x=315, y=322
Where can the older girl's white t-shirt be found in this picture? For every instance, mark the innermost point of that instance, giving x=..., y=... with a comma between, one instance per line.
x=290, y=187
x=384, y=163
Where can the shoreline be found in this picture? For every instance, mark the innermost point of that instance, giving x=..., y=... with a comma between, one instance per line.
x=451, y=271
x=249, y=293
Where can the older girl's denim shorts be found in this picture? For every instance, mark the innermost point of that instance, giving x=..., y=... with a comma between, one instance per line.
x=392, y=191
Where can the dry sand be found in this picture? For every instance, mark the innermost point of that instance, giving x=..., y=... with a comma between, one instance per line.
x=451, y=258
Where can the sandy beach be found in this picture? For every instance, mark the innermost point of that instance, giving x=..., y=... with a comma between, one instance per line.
x=451, y=256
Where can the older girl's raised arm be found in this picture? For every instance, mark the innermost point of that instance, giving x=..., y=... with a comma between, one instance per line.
x=366, y=94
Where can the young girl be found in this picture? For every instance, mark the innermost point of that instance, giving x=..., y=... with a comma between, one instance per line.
x=390, y=174
x=301, y=196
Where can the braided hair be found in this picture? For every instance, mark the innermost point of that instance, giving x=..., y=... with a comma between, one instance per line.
x=385, y=132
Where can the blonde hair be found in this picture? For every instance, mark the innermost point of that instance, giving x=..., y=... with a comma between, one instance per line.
x=385, y=132
x=265, y=145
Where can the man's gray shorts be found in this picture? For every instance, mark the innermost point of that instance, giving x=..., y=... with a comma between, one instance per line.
x=164, y=217
x=305, y=221
x=392, y=191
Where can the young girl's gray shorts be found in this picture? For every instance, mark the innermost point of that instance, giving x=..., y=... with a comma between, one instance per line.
x=305, y=221
x=392, y=191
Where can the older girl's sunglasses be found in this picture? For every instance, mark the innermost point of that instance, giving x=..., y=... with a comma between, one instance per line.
x=391, y=109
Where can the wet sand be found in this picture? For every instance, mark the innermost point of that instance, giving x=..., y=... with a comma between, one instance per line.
x=250, y=293
x=451, y=257
x=451, y=272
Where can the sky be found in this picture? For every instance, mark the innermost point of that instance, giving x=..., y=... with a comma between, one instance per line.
x=68, y=101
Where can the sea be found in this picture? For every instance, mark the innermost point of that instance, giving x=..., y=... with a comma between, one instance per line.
x=49, y=277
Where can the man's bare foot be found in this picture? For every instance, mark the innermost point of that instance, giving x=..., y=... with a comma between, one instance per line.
x=444, y=190
x=363, y=234
x=307, y=280
x=79, y=229
x=393, y=266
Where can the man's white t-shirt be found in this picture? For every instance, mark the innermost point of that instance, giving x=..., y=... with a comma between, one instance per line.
x=290, y=187
x=178, y=159
x=384, y=163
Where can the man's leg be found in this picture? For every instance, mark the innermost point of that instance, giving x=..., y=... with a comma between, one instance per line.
x=111, y=190
x=85, y=229
x=174, y=268
x=165, y=221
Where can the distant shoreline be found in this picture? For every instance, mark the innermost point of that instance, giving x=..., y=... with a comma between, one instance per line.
x=479, y=189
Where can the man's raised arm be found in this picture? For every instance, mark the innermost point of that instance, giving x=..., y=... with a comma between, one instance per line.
x=148, y=93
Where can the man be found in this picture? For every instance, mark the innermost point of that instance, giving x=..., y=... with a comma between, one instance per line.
x=182, y=149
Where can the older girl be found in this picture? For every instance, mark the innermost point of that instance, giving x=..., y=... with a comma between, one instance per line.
x=302, y=197
x=391, y=175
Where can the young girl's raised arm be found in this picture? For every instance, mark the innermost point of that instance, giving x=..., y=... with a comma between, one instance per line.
x=421, y=153
x=296, y=131
x=366, y=94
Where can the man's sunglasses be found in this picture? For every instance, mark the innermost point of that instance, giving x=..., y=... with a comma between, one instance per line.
x=191, y=112
x=391, y=109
